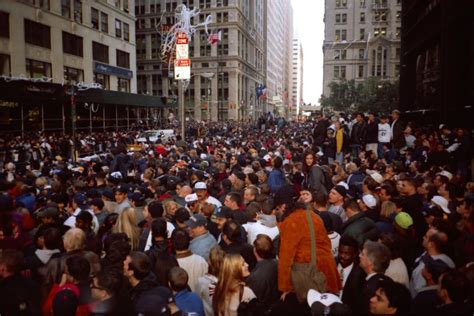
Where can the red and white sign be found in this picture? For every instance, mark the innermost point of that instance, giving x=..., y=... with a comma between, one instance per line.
x=182, y=51
x=182, y=64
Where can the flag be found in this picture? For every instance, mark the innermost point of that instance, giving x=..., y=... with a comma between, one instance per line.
x=214, y=38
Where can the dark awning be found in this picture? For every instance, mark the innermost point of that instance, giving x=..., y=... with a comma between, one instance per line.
x=118, y=98
x=17, y=90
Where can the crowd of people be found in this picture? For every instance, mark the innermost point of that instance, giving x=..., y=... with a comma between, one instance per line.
x=225, y=221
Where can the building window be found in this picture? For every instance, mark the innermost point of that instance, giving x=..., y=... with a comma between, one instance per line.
x=397, y=52
x=5, y=68
x=361, y=53
x=72, y=44
x=362, y=3
x=125, y=6
x=338, y=18
x=362, y=34
x=37, y=34
x=4, y=24
x=103, y=80
x=360, y=71
x=117, y=4
x=362, y=17
x=123, y=59
x=339, y=54
x=399, y=15
x=73, y=75
x=344, y=18
x=66, y=8
x=126, y=32
x=123, y=85
x=100, y=52
x=339, y=72
x=118, y=28
x=397, y=70
x=341, y=3
x=37, y=69
x=95, y=18
x=44, y=4
x=78, y=11
x=104, y=22
x=398, y=33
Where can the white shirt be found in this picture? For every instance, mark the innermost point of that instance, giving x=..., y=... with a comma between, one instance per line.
x=344, y=274
x=334, y=237
x=417, y=281
x=385, y=133
x=397, y=271
x=255, y=228
x=169, y=228
x=71, y=220
x=196, y=267
x=214, y=201
x=205, y=289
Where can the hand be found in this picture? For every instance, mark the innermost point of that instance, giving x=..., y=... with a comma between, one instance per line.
x=283, y=296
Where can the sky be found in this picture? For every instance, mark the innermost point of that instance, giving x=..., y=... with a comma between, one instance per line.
x=309, y=25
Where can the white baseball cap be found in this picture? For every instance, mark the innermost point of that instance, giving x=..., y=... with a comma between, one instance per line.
x=441, y=202
x=191, y=198
x=327, y=299
x=445, y=173
x=369, y=200
x=377, y=177
x=200, y=186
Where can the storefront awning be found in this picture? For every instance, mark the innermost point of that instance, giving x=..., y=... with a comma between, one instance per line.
x=27, y=91
x=119, y=98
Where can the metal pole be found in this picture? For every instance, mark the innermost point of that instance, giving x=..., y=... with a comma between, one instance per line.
x=22, y=123
x=73, y=123
x=64, y=120
x=181, y=106
x=116, y=118
x=90, y=119
x=42, y=117
x=103, y=117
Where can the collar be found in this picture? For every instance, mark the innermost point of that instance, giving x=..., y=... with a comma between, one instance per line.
x=370, y=276
x=203, y=236
x=185, y=254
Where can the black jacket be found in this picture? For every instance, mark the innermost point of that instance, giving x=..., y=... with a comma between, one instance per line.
x=398, y=140
x=361, y=228
x=242, y=248
x=413, y=205
x=372, y=132
x=367, y=292
x=19, y=296
x=264, y=281
x=354, y=283
x=359, y=133
x=319, y=132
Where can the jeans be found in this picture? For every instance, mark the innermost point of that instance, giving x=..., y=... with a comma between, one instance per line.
x=355, y=150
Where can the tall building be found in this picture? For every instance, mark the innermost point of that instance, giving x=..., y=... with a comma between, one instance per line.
x=296, y=80
x=279, y=36
x=438, y=61
x=69, y=41
x=361, y=40
x=224, y=75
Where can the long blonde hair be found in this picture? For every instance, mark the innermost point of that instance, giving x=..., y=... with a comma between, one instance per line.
x=127, y=223
x=229, y=282
x=387, y=209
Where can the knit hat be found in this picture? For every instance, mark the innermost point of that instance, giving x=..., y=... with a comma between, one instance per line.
x=341, y=190
x=404, y=220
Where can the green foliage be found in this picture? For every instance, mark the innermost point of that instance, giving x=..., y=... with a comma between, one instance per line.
x=372, y=95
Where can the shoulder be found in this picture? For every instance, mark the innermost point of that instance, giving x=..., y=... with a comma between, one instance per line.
x=248, y=294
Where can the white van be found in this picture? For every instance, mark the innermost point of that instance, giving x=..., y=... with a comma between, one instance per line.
x=152, y=136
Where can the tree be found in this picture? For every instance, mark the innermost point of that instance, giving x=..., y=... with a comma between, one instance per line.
x=372, y=95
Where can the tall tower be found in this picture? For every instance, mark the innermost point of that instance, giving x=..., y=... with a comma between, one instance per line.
x=361, y=40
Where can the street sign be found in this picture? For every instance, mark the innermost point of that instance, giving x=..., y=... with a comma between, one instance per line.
x=182, y=51
x=182, y=69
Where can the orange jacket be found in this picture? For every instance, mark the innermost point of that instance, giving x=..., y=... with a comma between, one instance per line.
x=295, y=246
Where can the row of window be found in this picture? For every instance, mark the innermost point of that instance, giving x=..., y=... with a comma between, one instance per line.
x=341, y=18
x=39, y=34
x=39, y=69
x=341, y=35
x=341, y=54
x=362, y=3
x=377, y=71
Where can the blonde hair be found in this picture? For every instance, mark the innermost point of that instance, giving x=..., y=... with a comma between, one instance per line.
x=216, y=257
x=127, y=223
x=229, y=282
x=168, y=204
x=387, y=209
x=74, y=239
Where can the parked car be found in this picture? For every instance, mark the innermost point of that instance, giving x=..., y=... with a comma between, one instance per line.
x=165, y=135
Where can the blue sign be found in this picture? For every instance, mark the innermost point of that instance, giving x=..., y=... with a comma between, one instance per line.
x=112, y=70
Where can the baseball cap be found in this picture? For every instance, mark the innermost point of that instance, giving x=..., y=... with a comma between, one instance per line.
x=369, y=200
x=327, y=299
x=377, y=177
x=341, y=190
x=432, y=210
x=196, y=221
x=435, y=267
x=122, y=189
x=200, y=186
x=48, y=212
x=445, y=173
x=441, y=202
x=191, y=197
x=404, y=220
x=80, y=199
x=224, y=212
x=137, y=197
x=108, y=194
